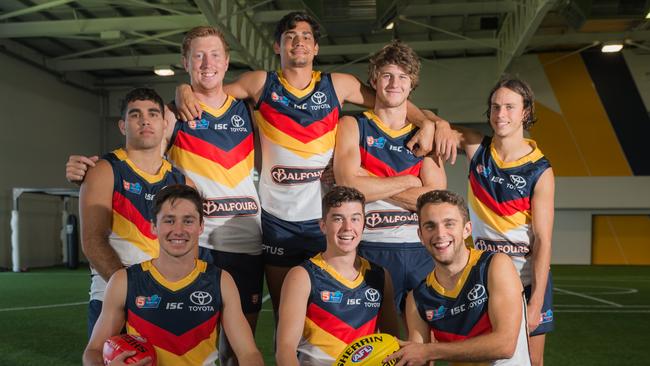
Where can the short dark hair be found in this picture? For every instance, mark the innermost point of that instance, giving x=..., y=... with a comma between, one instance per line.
x=520, y=87
x=443, y=196
x=395, y=53
x=289, y=21
x=175, y=192
x=141, y=94
x=199, y=32
x=339, y=195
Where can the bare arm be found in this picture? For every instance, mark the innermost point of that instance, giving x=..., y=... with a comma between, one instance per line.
x=505, y=312
x=110, y=322
x=235, y=325
x=348, y=171
x=432, y=175
x=293, y=310
x=95, y=210
x=542, y=207
x=247, y=87
x=388, y=315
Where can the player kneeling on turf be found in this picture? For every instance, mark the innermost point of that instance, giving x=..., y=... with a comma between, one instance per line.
x=335, y=297
x=472, y=301
x=175, y=301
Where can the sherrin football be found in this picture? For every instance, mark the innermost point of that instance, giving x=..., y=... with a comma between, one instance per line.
x=368, y=350
x=116, y=345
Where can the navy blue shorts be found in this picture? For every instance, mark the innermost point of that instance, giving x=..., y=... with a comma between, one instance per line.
x=94, y=309
x=247, y=271
x=407, y=263
x=289, y=243
x=547, y=323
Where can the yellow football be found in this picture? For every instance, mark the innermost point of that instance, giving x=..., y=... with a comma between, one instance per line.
x=368, y=350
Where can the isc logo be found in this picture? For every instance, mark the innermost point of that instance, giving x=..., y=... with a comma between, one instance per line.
x=220, y=126
x=354, y=301
x=174, y=306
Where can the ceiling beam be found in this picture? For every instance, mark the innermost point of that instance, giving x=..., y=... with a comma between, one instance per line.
x=517, y=30
x=34, y=9
x=125, y=62
x=450, y=44
x=586, y=38
x=55, y=28
x=459, y=8
x=270, y=16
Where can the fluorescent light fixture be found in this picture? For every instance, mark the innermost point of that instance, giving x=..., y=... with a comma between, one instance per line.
x=390, y=25
x=611, y=47
x=647, y=16
x=163, y=70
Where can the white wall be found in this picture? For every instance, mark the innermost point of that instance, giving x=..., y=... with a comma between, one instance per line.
x=44, y=121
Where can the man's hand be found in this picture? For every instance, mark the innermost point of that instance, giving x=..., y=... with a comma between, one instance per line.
x=422, y=142
x=76, y=167
x=119, y=360
x=188, y=106
x=534, y=315
x=410, y=354
x=447, y=141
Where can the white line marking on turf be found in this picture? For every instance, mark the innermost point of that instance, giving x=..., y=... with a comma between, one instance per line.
x=44, y=306
x=588, y=297
x=618, y=311
x=613, y=290
x=266, y=298
x=600, y=306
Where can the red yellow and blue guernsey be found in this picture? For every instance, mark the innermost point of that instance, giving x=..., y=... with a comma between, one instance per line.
x=297, y=134
x=384, y=154
x=462, y=312
x=179, y=318
x=499, y=197
x=217, y=153
x=132, y=202
x=338, y=310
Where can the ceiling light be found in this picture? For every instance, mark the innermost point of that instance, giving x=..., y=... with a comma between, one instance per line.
x=611, y=47
x=390, y=25
x=163, y=70
x=647, y=16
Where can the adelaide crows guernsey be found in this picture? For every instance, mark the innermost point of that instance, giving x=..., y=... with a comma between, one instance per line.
x=297, y=134
x=179, y=318
x=499, y=197
x=132, y=203
x=462, y=312
x=217, y=153
x=338, y=310
x=384, y=154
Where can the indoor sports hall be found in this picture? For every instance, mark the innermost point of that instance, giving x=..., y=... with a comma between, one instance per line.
x=65, y=66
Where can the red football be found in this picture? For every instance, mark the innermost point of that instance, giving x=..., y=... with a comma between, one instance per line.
x=116, y=345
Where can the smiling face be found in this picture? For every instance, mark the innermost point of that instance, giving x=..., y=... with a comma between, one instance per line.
x=297, y=47
x=443, y=232
x=206, y=61
x=507, y=113
x=392, y=86
x=343, y=226
x=143, y=125
x=178, y=226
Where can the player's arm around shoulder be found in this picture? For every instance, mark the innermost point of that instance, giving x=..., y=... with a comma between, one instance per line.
x=96, y=212
x=292, y=313
x=235, y=325
x=350, y=89
x=387, y=314
x=248, y=86
x=347, y=159
x=77, y=166
x=110, y=321
x=505, y=305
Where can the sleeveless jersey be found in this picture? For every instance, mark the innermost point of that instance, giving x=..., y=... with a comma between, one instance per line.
x=217, y=153
x=384, y=154
x=462, y=313
x=132, y=202
x=499, y=196
x=297, y=134
x=179, y=318
x=338, y=310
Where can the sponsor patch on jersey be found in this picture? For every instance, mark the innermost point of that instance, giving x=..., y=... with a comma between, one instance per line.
x=331, y=296
x=199, y=124
x=483, y=170
x=295, y=175
x=435, y=314
x=147, y=302
x=502, y=246
x=132, y=187
x=230, y=206
x=546, y=317
x=377, y=142
x=279, y=98
x=386, y=219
